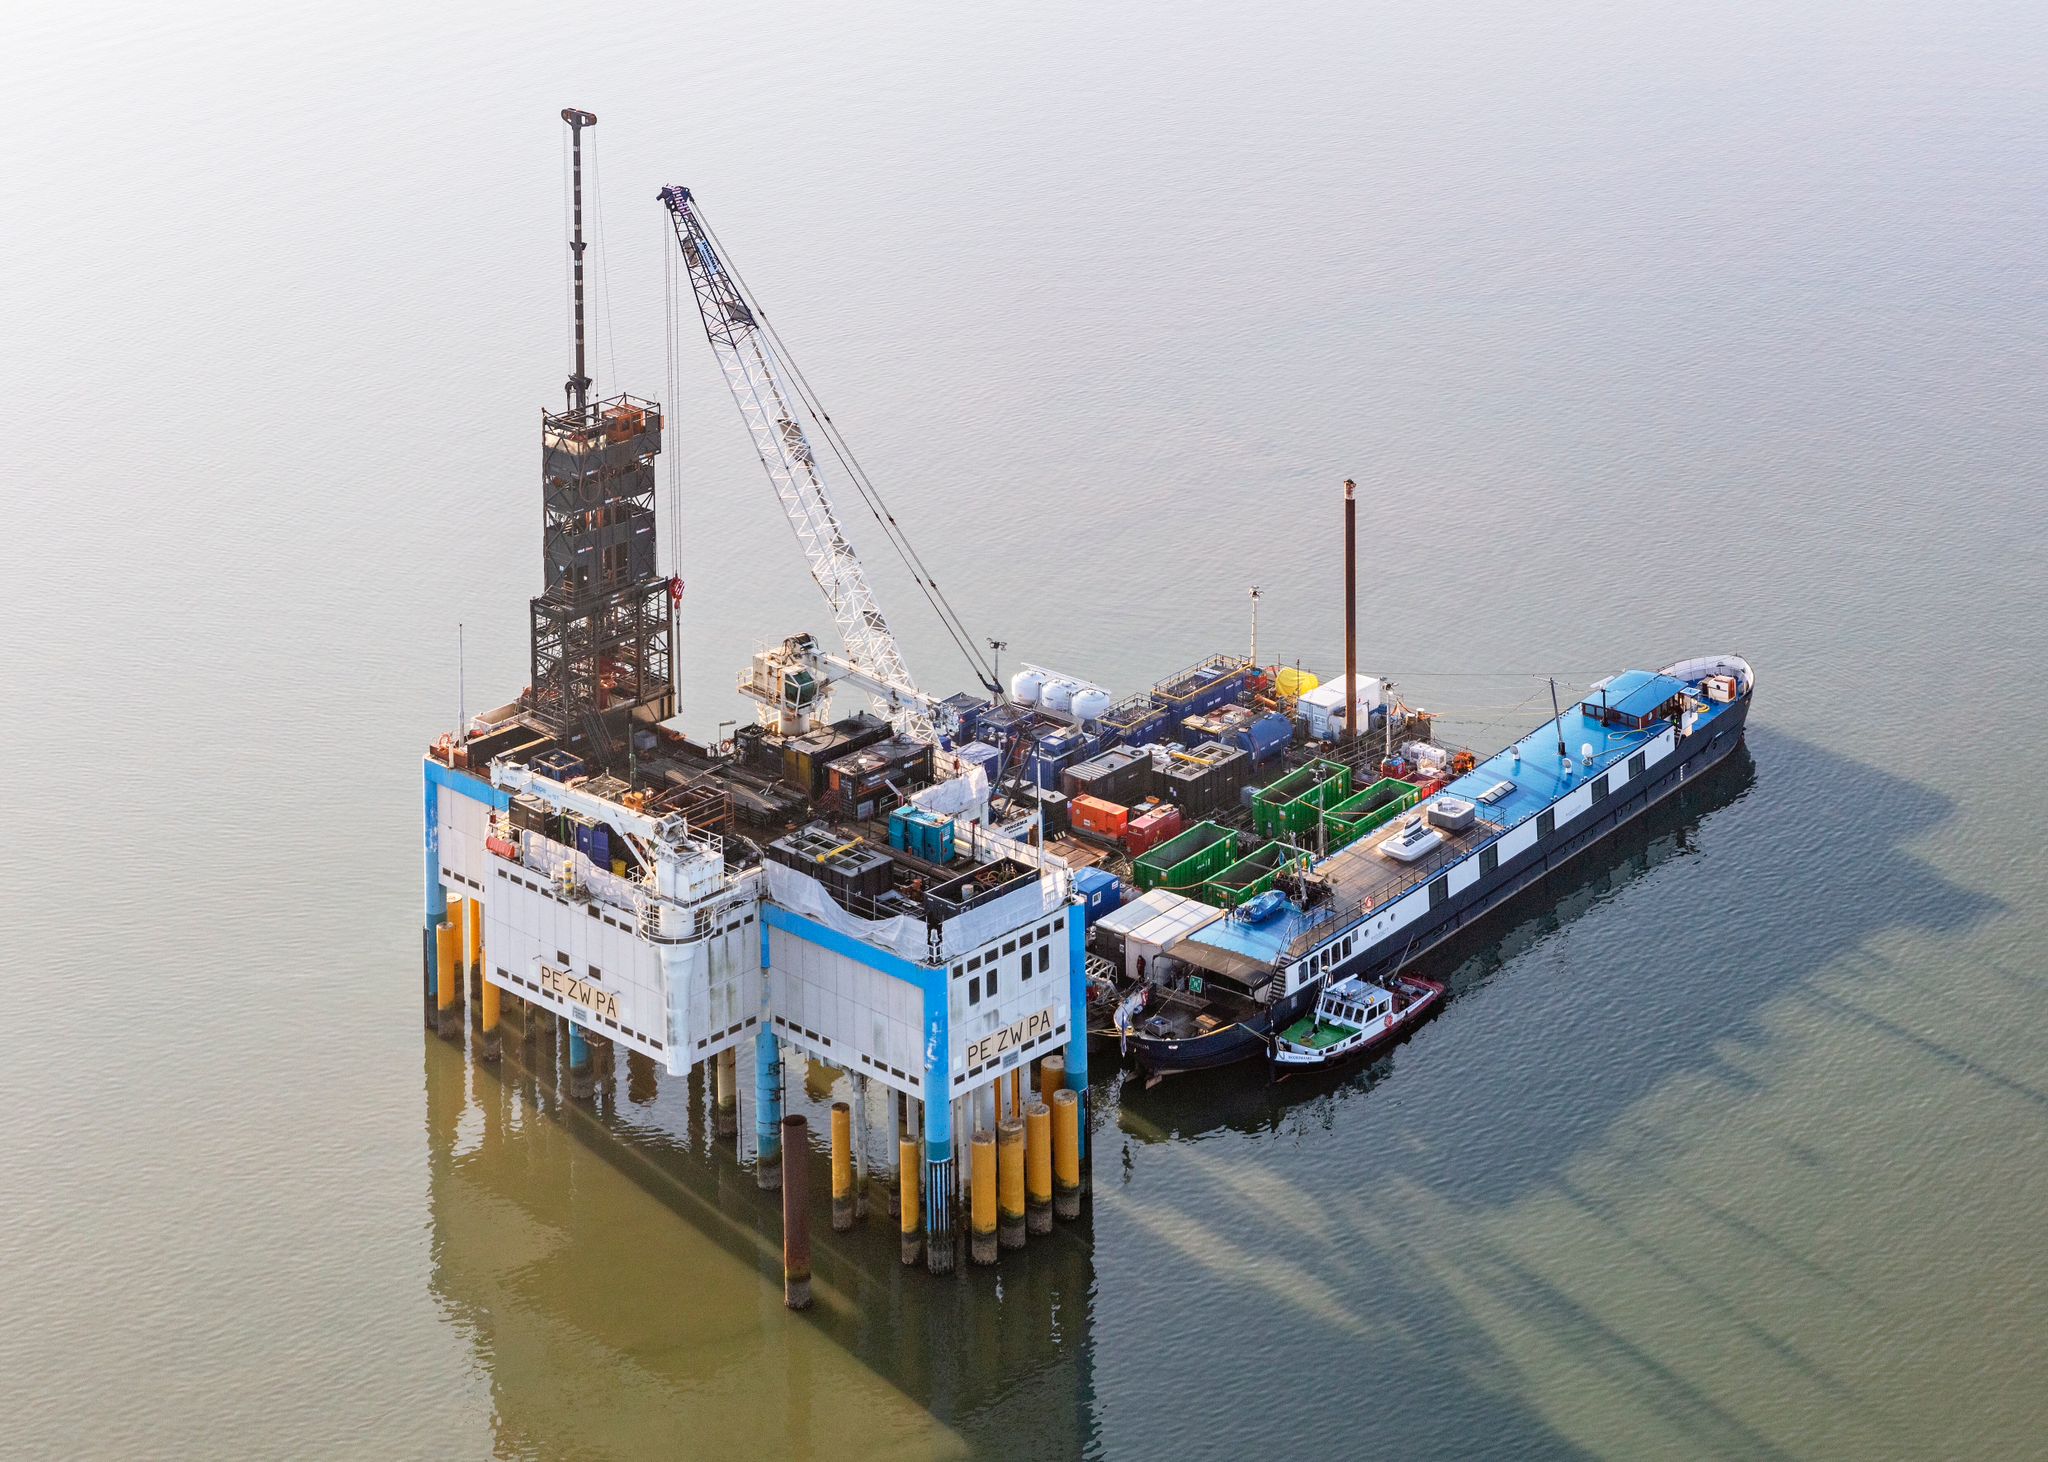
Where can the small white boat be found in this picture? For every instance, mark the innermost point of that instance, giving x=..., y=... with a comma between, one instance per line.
x=1413, y=839
x=1354, y=1017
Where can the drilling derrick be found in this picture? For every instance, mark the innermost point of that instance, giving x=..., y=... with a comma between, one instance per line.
x=603, y=624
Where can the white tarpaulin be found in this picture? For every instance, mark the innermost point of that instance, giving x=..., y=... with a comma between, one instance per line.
x=964, y=797
x=802, y=894
x=908, y=937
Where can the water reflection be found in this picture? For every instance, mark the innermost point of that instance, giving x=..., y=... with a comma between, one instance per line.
x=617, y=1273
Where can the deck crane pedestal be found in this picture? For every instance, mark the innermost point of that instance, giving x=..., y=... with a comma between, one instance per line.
x=772, y=398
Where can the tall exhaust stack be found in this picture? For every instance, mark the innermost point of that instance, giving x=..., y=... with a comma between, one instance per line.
x=1350, y=610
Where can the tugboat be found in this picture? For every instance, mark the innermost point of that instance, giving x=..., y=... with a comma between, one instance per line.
x=1354, y=1018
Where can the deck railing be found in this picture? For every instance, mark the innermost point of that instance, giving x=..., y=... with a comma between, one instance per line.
x=1340, y=913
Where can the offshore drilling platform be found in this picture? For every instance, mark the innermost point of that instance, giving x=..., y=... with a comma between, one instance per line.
x=940, y=902
x=595, y=877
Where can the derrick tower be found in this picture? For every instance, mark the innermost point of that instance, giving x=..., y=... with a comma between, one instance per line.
x=603, y=624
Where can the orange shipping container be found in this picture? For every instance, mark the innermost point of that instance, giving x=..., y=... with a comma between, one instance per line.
x=1104, y=819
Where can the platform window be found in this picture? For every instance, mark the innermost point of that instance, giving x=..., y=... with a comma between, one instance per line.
x=1010, y=948
x=1546, y=823
x=974, y=990
x=991, y=982
x=1024, y=963
x=596, y=973
x=958, y=971
x=1439, y=890
x=1489, y=859
x=562, y=958
x=1637, y=764
x=1044, y=958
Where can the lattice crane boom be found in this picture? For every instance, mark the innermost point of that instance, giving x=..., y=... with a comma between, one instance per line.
x=755, y=374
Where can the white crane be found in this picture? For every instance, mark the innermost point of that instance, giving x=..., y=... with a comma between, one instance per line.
x=756, y=371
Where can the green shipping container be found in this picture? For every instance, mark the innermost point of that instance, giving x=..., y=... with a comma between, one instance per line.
x=1290, y=805
x=1252, y=874
x=1186, y=859
x=1384, y=800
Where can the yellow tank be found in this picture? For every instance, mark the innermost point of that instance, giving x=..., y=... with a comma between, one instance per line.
x=1291, y=682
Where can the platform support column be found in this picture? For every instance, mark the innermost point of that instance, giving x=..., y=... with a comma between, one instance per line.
x=796, y=1226
x=1077, y=1029
x=767, y=1109
x=436, y=900
x=842, y=1167
x=1038, y=1167
x=899, y=1105
x=448, y=980
x=860, y=1148
x=1052, y=1076
x=473, y=948
x=938, y=1191
x=981, y=1197
x=1066, y=1153
x=582, y=1081
x=907, y=1166
x=727, y=1084
x=492, y=1010
x=725, y=1081
x=1010, y=1181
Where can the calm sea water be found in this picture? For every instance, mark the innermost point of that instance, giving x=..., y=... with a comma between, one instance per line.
x=1646, y=333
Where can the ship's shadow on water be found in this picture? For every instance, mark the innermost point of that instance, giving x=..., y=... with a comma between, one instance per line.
x=1651, y=961
x=1227, y=1211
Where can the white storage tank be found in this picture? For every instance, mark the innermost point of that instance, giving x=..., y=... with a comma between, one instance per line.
x=1057, y=695
x=1026, y=686
x=1090, y=702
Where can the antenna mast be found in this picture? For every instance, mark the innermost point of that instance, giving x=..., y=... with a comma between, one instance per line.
x=578, y=388
x=1351, y=612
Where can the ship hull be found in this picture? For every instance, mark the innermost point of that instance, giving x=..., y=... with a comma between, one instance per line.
x=1248, y=1038
x=1253, y=1037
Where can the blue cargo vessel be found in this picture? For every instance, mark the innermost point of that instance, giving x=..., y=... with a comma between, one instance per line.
x=1378, y=903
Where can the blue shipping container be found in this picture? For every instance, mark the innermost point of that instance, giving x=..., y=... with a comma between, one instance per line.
x=966, y=711
x=558, y=765
x=1201, y=690
x=1052, y=753
x=1100, y=892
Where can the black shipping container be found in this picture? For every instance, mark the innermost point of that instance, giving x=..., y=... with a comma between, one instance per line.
x=807, y=759
x=847, y=872
x=1025, y=798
